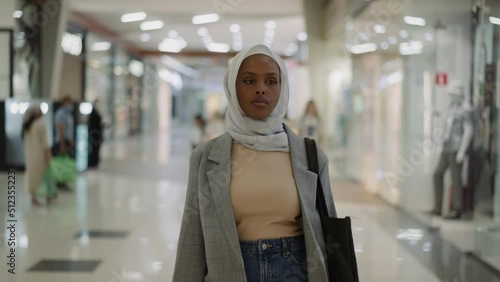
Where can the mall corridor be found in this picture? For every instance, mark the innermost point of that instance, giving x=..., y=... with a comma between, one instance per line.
x=121, y=223
x=103, y=102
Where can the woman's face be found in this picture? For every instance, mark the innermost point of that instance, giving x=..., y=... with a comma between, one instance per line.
x=311, y=108
x=258, y=86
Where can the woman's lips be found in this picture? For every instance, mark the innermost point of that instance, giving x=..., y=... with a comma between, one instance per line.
x=260, y=103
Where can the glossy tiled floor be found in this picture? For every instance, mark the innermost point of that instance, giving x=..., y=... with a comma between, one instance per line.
x=121, y=223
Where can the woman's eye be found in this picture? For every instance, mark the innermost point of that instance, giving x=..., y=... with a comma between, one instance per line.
x=248, y=81
x=272, y=82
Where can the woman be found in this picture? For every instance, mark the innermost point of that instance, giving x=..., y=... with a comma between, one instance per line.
x=310, y=125
x=96, y=136
x=250, y=205
x=37, y=155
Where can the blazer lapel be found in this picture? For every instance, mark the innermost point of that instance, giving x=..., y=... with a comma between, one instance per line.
x=306, y=186
x=219, y=178
x=304, y=179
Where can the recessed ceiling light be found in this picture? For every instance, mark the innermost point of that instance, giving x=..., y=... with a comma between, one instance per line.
x=403, y=34
x=101, y=46
x=207, y=18
x=363, y=48
x=384, y=45
x=218, y=47
x=44, y=107
x=494, y=20
x=270, y=24
x=379, y=28
x=411, y=48
x=85, y=108
x=302, y=36
x=151, y=25
x=17, y=14
x=429, y=36
x=133, y=17
x=414, y=21
x=393, y=40
x=172, y=45
x=235, y=28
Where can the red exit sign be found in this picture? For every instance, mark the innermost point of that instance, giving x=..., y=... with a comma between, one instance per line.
x=441, y=79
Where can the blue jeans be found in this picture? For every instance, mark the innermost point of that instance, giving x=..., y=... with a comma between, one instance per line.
x=275, y=260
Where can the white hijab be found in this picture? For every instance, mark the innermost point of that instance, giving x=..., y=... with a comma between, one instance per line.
x=261, y=135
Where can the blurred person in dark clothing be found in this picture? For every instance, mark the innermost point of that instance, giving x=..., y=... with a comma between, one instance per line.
x=96, y=135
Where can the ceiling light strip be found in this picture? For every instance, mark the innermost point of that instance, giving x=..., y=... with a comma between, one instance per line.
x=204, y=19
x=414, y=21
x=133, y=17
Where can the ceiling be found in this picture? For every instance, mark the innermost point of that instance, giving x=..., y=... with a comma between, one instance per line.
x=381, y=12
x=177, y=16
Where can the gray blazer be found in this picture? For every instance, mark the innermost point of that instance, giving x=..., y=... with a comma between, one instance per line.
x=208, y=247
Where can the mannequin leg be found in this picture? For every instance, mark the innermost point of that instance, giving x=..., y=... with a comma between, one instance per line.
x=438, y=183
x=456, y=173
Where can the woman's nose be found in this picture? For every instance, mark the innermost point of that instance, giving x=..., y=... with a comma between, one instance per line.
x=261, y=88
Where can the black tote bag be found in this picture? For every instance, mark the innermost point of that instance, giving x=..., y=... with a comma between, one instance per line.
x=337, y=232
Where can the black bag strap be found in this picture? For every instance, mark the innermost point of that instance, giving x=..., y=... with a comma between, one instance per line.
x=313, y=163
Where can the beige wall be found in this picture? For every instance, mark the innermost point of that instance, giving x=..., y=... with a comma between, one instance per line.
x=71, y=78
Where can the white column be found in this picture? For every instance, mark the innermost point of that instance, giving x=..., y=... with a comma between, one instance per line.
x=6, y=24
x=55, y=18
x=6, y=13
x=329, y=63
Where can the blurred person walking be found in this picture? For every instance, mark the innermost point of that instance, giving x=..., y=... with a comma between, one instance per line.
x=250, y=205
x=37, y=156
x=197, y=131
x=310, y=123
x=216, y=126
x=65, y=137
x=96, y=135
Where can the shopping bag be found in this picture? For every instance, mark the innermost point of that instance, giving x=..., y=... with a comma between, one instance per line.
x=63, y=169
x=47, y=188
x=337, y=232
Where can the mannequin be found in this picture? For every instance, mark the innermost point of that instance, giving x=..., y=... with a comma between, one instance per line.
x=456, y=141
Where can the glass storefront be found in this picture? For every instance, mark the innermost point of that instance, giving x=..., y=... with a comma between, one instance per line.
x=120, y=110
x=115, y=79
x=483, y=162
x=99, y=76
x=421, y=112
x=14, y=113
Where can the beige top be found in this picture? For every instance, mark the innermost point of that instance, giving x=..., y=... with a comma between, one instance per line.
x=35, y=146
x=264, y=196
